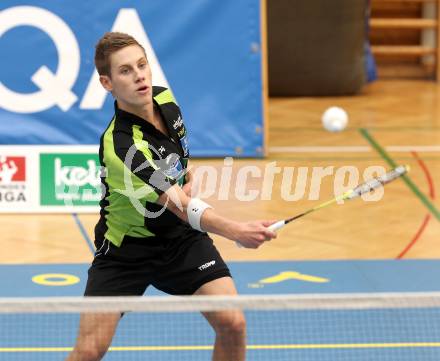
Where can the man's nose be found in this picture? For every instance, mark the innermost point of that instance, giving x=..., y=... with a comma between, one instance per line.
x=139, y=76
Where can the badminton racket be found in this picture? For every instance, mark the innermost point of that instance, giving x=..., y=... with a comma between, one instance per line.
x=356, y=192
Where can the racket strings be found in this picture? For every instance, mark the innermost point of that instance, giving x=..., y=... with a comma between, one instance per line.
x=377, y=182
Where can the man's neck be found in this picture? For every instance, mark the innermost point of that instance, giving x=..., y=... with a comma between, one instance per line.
x=146, y=112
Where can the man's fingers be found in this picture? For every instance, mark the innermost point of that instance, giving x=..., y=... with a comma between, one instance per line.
x=269, y=234
x=268, y=223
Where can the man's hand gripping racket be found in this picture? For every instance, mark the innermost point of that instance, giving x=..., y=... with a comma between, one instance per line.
x=356, y=192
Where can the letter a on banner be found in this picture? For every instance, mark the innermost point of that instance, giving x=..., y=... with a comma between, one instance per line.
x=127, y=21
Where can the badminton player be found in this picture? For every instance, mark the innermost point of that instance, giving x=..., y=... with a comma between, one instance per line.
x=151, y=230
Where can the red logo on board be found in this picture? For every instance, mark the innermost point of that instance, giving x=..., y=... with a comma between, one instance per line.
x=12, y=169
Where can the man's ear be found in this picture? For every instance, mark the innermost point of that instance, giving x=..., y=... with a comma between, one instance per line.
x=106, y=82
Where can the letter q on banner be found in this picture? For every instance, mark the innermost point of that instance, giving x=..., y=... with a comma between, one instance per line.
x=55, y=89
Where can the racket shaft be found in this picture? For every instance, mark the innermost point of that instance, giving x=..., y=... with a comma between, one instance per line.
x=353, y=193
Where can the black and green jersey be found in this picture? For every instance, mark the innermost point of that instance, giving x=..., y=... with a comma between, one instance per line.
x=139, y=164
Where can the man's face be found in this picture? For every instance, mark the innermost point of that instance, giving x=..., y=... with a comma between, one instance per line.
x=130, y=80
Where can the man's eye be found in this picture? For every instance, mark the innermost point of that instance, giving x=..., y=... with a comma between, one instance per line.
x=124, y=71
x=142, y=65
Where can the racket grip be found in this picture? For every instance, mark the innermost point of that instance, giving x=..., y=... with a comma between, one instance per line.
x=276, y=226
x=273, y=227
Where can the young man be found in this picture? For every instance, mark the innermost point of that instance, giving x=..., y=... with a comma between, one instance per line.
x=151, y=232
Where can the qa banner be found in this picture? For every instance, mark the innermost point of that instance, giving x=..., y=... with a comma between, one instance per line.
x=208, y=52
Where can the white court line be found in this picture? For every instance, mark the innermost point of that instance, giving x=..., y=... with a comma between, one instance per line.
x=330, y=149
x=413, y=148
x=354, y=149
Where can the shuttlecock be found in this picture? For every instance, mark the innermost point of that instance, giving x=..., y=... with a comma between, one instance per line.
x=334, y=119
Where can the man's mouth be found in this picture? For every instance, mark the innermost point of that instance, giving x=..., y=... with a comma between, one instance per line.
x=142, y=89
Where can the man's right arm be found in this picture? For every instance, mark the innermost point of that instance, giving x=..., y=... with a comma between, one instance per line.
x=249, y=234
x=139, y=159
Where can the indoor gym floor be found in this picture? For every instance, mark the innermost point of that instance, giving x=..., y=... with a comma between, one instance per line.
x=386, y=246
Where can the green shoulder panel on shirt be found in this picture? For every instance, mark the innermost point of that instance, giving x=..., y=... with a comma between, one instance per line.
x=165, y=97
x=142, y=145
x=125, y=191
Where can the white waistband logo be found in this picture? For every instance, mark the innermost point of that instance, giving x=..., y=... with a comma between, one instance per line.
x=206, y=265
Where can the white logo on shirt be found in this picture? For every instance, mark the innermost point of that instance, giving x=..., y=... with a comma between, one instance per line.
x=178, y=123
x=162, y=149
x=206, y=265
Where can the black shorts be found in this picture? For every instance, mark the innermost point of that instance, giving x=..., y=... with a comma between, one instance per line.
x=177, y=267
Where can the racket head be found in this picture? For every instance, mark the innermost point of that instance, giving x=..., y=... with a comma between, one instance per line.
x=378, y=182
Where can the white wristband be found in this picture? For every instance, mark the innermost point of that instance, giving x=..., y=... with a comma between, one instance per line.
x=196, y=207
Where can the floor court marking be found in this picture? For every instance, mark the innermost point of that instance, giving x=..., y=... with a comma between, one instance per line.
x=388, y=345
x=428, y=216
x=364, y=132
x=355, y=149
x=353, y=129
x=324, y=149
x=311, y=158
x=84, y=233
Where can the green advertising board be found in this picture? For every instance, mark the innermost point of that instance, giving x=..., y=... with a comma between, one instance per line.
x=71, y=179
